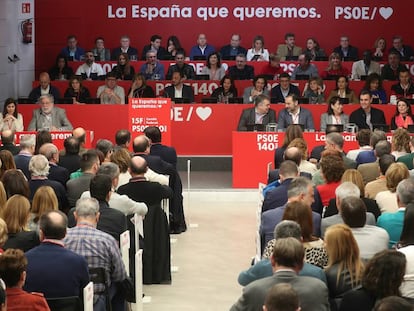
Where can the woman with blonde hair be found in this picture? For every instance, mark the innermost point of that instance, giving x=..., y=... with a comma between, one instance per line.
x=400, y=143
x=3, y=234
x=122, y=158
x=44, y=200
x=16, y=215
x=345, y=267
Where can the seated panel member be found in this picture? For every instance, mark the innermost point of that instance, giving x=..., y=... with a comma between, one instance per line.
x=178, y=89
x=155, y=45
x=284, y=88
x=90, y=70
x=202, y=48
x=259, y=114
x=111, y=93
x=366, y=116
x=346, y=50
x=44, y=88
x=186, y=70
x=48, y=117
x=152, y=69
x=241, y=71
x=289, y=49
x=233, y=49
x=125, y=48
x=72, y=50
x=404, y=88
x=259, y=87
x=294, y=114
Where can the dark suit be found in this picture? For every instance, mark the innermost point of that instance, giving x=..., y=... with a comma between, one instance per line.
x=59, y=120
x=10, y=147
x=276, y=197
x=131, y=52
x=161, y=53
x=59, y=189
x=352, y=52
x=35, y=93
x=359, y=117
x=247, y=73
x=274, y=175
x=305, y=118
x=276, y=93
x=23, y=240
x=58, y=173
x=22, y=162
x=78, y=186
x=226, y=51
x=70, y=161
x=387, y=73
x=248, y=116
x=166, y=153
x=187, y=92
x=50, y=264
x=313, y=293
x=407, y=52
x=186, y=70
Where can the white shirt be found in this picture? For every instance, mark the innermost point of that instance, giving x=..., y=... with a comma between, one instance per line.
x=387, y=201
x=407, y=287
x=370, y=240
x=88, y=70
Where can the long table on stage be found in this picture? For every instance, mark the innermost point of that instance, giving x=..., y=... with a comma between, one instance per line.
x=197, y=129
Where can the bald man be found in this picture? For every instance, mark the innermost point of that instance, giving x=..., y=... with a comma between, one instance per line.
x=80, y=134
x=44, y=88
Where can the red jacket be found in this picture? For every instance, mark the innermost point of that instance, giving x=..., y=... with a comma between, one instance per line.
x=19, y=300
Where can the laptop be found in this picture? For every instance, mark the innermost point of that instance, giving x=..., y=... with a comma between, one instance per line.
x=65, y=100
x=321, y=58
x=235, y=100
x=202, y=77
x=344, y=101
x=273, y=100
x=332, y=77
x=256, y=127
x=25, y=100
x=255, y=58
x=363, y=77
x=410, y=128
x=302, y=126
x=330, y=128
x=348, y=59
x=93, y=100
x=382, y=127
x=302, y=77
x=209, y=100
x=181, y=100
x=200, y=57
x=230, y=57
x=375, y=100
x=269, y=77
x=303, y=100
x=290, y=58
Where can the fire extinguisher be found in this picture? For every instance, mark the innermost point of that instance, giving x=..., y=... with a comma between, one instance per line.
x=27, y=31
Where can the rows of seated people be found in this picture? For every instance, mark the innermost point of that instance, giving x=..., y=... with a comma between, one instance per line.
x=62, y=214
x=352, y=215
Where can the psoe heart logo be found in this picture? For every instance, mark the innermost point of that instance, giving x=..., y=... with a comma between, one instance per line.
x=204, y=112
x=386, y=12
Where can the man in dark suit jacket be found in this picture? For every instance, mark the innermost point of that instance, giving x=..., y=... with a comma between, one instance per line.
x=241, y=71
x=125, y=48
x=359, y=116
x=71, y=159
x=346, y=50
x=155, y=45
x=406, y=52
x=283, y=89
x=287, y=261
x=7, y=141
x=56, y=172
x=259, y=114
x=50, y=263
x=44, y=86
x=166, y=153
x=294, y=114
x=178, y=89
x=233, y=49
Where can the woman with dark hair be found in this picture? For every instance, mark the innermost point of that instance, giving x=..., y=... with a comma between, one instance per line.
x=259, y=87
x=123, y=70
x=11, y=119
x=403, y=116
x=313, y=49
x=314, y=91
x=335, y=114
x=7, y=162
x=77, y=91
x=292, y=131
x=42, y=137
x=61, y=70
x=382, y=277
x=139, y=88
x=173, y=46
x=15, y=182
x=213, y=67
x=380, y=53
x=258, y=52
x=226, y=90
x=335, y=68
x=373, y=84
x=342, y=90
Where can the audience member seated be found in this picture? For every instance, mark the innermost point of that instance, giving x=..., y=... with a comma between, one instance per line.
x=258, y=52
x=72, y=50
x=391, y=303
x=226, y=90
x=125, y=48
x=49, y=117
x=259, y=88
x=370, y=239
x=90, y=70
x=345, y=267
x=185, y=69
x=8, y=143
x=77, y=91
x=273, y=68
x=288, y=50
x=262, y=269
x=70, y=159
x=16, y=213
x=373, y=83
x=44, y=88
x=166, y=153
x=403, y=116
x=305, y=165
x=101, y=53
x=56, y=172
x=7, y=162
x=152, y=69
x=365, y=66
x=405, y=87
x=334, y=115
x=213, y=67
x=370, y=169
x=314, y=91
x=400, y=143
x=313, y=49
x=343, y=91
x=377, y=282
x=379, y=52
x=335, y=68
x=283, y=89
x=292, y=131
x=374, y=187
x=155, y=46
x=294, y=114
x=173, y=47
x=393, y=222
x=61, y=70
x=282, y=296
x=391, y=70
x=202, y=49
x=51, y=263
x=261, y=114
x=363, y=137
x=110, y=92
x=13, y=264
x=408, y=158
x=14, y=182
x=123, y=69
x=305, y=67
x=406, y=52
x=22, y=159
x=241, y=71
x=345, y=50
x=366, y=116
x=287, y=261
x=233, y=49
x=299, y=189
x=178, y=90
x=11, y=119
x=44, y=201
x=140, y=89
x=106, y=148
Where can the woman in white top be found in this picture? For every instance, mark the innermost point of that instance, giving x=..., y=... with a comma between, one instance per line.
x=213, y=67
x=11, y=119
x=258, y=52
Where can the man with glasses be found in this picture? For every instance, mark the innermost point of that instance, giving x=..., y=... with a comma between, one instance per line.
x=153, y=69
x=241, y=71
x=345, y=50
x=283, y=89
x=72, y=51
x=233, y=49
x=185, y=69
x=111, y=93
x=125, y=48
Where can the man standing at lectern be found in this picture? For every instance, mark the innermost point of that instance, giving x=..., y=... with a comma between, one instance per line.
x=259, y=114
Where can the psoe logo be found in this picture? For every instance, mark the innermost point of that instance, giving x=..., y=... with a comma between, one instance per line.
x=362, y=13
